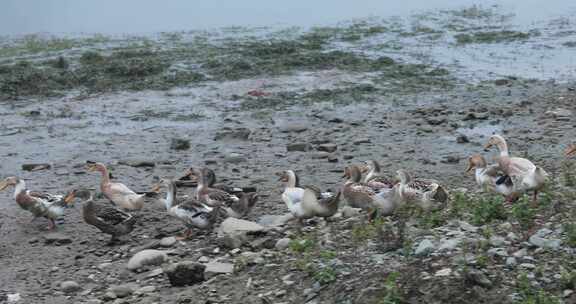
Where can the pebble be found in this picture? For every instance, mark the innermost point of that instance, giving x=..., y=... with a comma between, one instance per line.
x=185, y=273
x=147, y=257
x=282, y=244
x=168, y=241
x=425, y=247
x=57, y=238
x=69, y=286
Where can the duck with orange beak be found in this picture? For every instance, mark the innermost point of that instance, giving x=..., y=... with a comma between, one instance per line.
x=525, y=175
x=40, y=204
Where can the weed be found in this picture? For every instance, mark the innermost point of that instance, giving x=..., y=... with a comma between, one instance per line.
x=487, y=209
x=523, y=213
x=392, y=291
x=492, y=37
x=301, y=245
x=570, y=231
x=531, y=295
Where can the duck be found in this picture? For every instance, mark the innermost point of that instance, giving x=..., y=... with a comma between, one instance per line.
x=525, y=175
x=374, y=177
x=490, y=177
x=191, y=212
x=40, y=204
x=425, y=193
x=306, y=202
x=212, y=196
x=324, y=205
x=118, y=193
x=191, y=175
x=361, y=195
x=109, y=219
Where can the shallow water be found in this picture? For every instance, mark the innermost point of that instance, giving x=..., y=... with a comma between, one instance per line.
x=137, y=16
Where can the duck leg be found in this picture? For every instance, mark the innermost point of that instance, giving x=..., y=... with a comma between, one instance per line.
x=186, y=235
x=51, y=224
x=535, y=199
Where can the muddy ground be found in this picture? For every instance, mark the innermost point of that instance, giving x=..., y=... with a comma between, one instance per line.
x=244, y=126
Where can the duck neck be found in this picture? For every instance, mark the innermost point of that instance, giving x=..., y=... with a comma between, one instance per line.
x=503, y=147
x=405, y=178
x=105, y=175
x=293, y=181
x=20, y=186
x=170, y=195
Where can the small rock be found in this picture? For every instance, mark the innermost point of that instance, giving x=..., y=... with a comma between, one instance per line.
x=69, y=286
x=476, y=277
x=443, y=272
x=511, y=261
x=293, y=127
x=299, y=147
x=204, y=259
x=497, y=241
x=348, y=211
x=57, y=238
x=232, y=240
x=185, y=273
x=450, y=159
x=275, y=220
x=467, y=227
x=362, y=141
x=138, y=163
x=168, y=241
x=425, y=247
x=282, y=244
x=35, y=167
x=233, y=134
x=449, y=244
x=462, y=139
x=330, y=148
x=216, y=268
x=231, y=225
x=502, y=82
x=235, y=158
x=122, y=291
x=179, y=144
x=147, y=257
x=544, y=242
x=146, y=289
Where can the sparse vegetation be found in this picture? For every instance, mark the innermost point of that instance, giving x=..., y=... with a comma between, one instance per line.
x=492, y=37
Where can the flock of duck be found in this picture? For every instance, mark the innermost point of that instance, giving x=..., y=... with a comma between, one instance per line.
x=366, y=187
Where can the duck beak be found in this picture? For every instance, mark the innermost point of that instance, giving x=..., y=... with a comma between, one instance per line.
x=3, y=184
x=470, y=167
x=280, y=176
x=69, y=198
x=363, y=169
x=156, y=188
x=570, y=151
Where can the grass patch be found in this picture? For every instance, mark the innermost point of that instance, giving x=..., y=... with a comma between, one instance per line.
x=492, y=37
x=531, y=295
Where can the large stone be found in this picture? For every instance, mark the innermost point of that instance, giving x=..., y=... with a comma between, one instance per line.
x=168, y=241
x=425, y=247
x=69, y=286
x=233, y=134
x=231, y=226
x=216, y=268
x=57, y=238
x=232, y=240
x=122, y=291
x=185, y=273
x=275, y=220
x=542, y=242
x=147, y=257
x=330, y=148
x=282, y=244
x=298, y=147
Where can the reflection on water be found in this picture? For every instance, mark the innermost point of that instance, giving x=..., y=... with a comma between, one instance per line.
x=146, y=16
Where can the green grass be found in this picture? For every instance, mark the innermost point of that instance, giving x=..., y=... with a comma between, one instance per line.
x=492, y=37
x=532, y=295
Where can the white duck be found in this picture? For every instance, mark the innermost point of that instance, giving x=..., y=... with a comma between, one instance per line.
x=305, y=203
x=525, y=175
